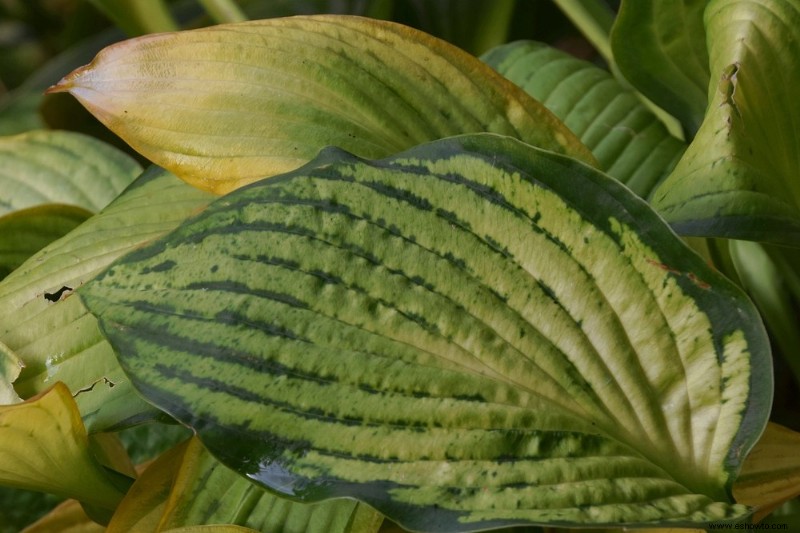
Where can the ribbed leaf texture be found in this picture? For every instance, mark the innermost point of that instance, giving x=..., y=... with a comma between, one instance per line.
x=471, y=334
x=629, y=141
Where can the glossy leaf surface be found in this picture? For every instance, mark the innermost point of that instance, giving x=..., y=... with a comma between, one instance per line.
x=227, y=105
x=470, y=334
x=660, y=47
x=738, y=178
x=188, y=487
x=629, y=142
x=51, y=331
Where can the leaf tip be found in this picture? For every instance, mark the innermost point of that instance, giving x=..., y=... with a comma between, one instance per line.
x=67, y=83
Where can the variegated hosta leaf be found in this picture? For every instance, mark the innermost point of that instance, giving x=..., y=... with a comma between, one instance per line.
x=60, y=167
x=227, y=105
x=660, y=47
x=187, y=487
x=629, y=141
x=739, y=177
x=52, y=332
x=470, y=334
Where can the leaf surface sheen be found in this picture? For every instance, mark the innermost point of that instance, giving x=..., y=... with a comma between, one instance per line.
x=187, y=486
x=474, y=333
x=228, y=105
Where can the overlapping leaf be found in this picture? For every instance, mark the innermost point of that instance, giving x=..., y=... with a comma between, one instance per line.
x=187, y=487
x=629, y=142
x=67, y=517
x=52, y=333
x=46, y=167
x=50, y=181
x=25, y=232
x=470, y=334
x=660, y=47
x=771, y=473
x=739, y=178
x=45, y=448
x=228, y=105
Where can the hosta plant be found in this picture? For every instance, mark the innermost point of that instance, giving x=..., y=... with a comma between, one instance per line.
x=387, y=285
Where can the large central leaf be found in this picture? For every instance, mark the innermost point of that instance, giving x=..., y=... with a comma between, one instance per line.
x=470, y=334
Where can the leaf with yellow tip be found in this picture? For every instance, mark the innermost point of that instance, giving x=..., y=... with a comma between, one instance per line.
x=231, y=104
x=46, y=448
x=771, y=473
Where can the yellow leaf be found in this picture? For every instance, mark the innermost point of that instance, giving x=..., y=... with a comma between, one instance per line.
x=227, y=105
x=10, y=368
x=45, y=448
x=67, y=517
x=217, y=528
x=771, y=473
x=145, y=503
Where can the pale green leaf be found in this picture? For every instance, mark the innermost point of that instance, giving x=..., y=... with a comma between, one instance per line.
x=471, y=334
x=231, y=104
x=739, y=177
x=59, y=340
x=660, y=48
x=45, y=167
x=629, y=142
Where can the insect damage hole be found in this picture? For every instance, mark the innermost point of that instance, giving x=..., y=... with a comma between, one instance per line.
x=60, y=294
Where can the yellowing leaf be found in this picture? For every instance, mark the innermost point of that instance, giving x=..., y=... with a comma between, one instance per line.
x=228, y=105
x=67, y=517
x=45, y=448
x=10, y=368
x=771, y=473
x=218, y=528
x=187, y=487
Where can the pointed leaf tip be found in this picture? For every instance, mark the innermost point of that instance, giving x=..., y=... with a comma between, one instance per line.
x=234, y=103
